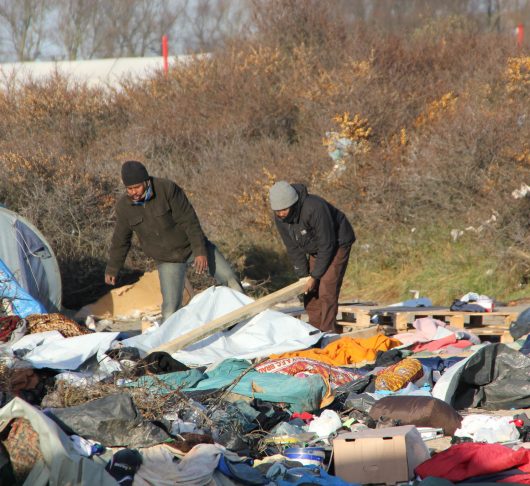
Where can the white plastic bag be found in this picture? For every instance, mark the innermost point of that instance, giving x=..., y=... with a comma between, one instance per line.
x=488, y=428
x=328, y=422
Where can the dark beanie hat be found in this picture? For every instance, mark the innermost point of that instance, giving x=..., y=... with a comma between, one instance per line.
x=133, y=172
x=123, y=465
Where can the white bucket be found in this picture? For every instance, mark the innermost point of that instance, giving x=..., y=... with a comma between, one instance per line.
x=308, y=456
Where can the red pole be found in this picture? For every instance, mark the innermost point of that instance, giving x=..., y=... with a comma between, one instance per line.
x=164, y=53
x=520, y=35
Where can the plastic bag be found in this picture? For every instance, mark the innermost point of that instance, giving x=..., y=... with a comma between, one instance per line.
x=325, y=425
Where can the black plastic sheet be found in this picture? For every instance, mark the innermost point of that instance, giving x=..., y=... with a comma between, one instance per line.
x=521, y=326
x=496, y=377
x=112, y=421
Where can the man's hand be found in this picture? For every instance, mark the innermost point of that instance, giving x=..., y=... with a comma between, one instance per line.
x=201, y=264
x=110, y=279
x=310, y=285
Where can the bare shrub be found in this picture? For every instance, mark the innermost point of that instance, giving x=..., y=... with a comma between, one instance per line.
x=443, y=110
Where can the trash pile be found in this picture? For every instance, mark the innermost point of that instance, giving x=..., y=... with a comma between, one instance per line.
x=270, y=400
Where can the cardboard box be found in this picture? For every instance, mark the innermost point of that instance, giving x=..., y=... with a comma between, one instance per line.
x=379, y=456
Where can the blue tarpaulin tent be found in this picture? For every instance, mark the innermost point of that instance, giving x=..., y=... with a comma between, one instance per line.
x=13, y=298
x=30, y=259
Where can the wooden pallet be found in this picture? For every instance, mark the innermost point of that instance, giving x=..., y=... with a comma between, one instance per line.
x=400, y=319
x=355, y=318
x=486, y=332
x=347, y=314
x=358, y=314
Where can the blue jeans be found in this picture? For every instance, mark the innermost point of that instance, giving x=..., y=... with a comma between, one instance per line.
x=173, y=275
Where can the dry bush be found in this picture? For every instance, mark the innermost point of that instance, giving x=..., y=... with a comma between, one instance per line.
x=71, y=205
x=59, y=114
x=289, y=24
x=442, y=109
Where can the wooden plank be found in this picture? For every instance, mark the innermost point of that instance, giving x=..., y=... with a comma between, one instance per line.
x=457, y=321
x=401, y=321
x=362, y=318
x=232, y=318
x=506, y=337
x=352, y=309
x=359, y=318
x=423, y=311
x=361, y=314
x=493, y=330
x=487, y=330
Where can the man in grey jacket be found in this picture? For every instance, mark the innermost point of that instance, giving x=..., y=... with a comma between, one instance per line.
x=159, y=213
x=318, y=238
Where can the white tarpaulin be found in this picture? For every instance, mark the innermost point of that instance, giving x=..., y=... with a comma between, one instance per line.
x=30, y=341
x=62, y=353
x=267, y=333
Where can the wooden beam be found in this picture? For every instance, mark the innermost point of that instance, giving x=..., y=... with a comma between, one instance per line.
x=232, y=318
x=506, y=337
x=361, y=314
x=401, y=322
x=457, y=321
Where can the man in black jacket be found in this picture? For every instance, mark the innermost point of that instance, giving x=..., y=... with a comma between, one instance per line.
x=168, y=229
x=318, y=238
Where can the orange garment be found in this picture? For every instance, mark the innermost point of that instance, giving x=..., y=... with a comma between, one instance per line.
x=399, y=375
x=346, y=350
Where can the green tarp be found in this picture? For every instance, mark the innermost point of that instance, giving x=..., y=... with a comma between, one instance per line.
x=301, y=394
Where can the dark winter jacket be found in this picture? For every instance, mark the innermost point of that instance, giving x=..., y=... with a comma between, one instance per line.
x=313, y=227
x=166, y=225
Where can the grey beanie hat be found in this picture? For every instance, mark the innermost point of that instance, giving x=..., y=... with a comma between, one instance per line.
x=282, y=195
x=133, y=172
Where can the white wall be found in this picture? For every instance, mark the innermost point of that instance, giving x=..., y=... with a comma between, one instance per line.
x=96, y=73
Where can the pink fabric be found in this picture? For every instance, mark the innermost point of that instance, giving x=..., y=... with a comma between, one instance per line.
x=464, y=461
x=428, y=325
x=426, y=328
x=442, y=344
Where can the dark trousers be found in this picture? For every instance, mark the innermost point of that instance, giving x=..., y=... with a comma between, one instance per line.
x=322, y=304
